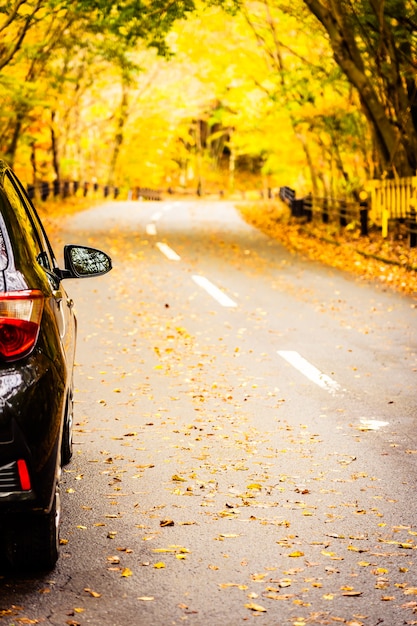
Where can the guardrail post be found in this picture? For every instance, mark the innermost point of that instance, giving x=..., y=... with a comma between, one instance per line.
x=44, y=191
x=385, y=221
x=325, y=212
x=308, y=207
x=343, y=213
x=363, y=212
x=412, y=224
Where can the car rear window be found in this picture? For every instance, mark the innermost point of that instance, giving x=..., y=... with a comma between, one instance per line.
x=28, y=231
x=4, y=260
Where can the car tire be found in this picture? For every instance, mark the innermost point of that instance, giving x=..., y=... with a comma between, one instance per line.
x=67, y=445
x=32, y=541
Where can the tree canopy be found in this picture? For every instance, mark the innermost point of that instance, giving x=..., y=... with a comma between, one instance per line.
x=216, y=93
x=374, y=42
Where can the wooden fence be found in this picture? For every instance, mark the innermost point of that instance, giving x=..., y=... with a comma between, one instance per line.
x=391, y=200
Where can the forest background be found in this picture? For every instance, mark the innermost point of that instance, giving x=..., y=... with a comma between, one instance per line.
x=209, y=95
x=217, y=96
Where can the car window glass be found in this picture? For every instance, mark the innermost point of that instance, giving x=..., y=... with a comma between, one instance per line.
x=37, y=222
x=26, y=221
x=3, y=250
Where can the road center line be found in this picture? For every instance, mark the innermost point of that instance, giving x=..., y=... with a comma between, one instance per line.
x=214, y=291
x=169, y=252
x=151, y=229
x=310, y=371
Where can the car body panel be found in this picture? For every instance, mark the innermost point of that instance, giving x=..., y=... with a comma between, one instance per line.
x=35, y=389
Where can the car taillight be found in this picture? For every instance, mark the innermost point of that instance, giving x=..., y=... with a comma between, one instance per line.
x=24, y=477
x=20, y=316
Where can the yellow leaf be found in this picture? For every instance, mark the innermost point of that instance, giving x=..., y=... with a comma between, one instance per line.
x=356, y=549
x=352, y=594
x=328, y=596
x=411, y=591
x=255, y=486
x=164, y=550
x=255, y=607
x=296, y=554
x=92, y=593
x=146, y=598
x=180, y=556
x=178, y=479
x=159, y=565
x=126, y=572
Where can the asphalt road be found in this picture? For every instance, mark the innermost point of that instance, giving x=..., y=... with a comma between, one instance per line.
x=245, y=439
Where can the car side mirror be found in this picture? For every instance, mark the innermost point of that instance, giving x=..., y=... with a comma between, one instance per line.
x=82, y=262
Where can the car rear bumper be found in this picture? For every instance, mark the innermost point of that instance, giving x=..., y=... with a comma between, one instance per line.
x=32, y=402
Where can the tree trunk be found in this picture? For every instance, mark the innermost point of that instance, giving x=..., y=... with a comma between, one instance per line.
x=54, y=148
x=122, y=117
x=396, y=152
x=17, y=129
x=310, y=163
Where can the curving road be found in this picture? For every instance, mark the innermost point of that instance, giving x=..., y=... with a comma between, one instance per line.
x=245, y=439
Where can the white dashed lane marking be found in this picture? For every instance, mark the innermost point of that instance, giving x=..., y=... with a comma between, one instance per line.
x=310, y=371
x=214, y=291
x=169, y=252
x=151, y=229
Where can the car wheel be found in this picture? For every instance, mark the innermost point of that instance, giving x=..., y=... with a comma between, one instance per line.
x=32, y=541
x=67, y=446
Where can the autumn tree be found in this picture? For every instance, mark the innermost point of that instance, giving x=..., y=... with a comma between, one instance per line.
x=374, y=44
x=304, y=81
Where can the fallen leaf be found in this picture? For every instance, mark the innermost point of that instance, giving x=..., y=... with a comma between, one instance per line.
x=92, y=593
x=255, y=607
x=178, y=478
x=411, y=591
x=352, y=594
x=126, y=572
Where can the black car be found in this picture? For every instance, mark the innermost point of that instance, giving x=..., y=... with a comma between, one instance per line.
x=37, y=346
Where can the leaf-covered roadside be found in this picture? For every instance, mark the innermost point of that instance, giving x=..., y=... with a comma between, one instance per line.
x=389, y=262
